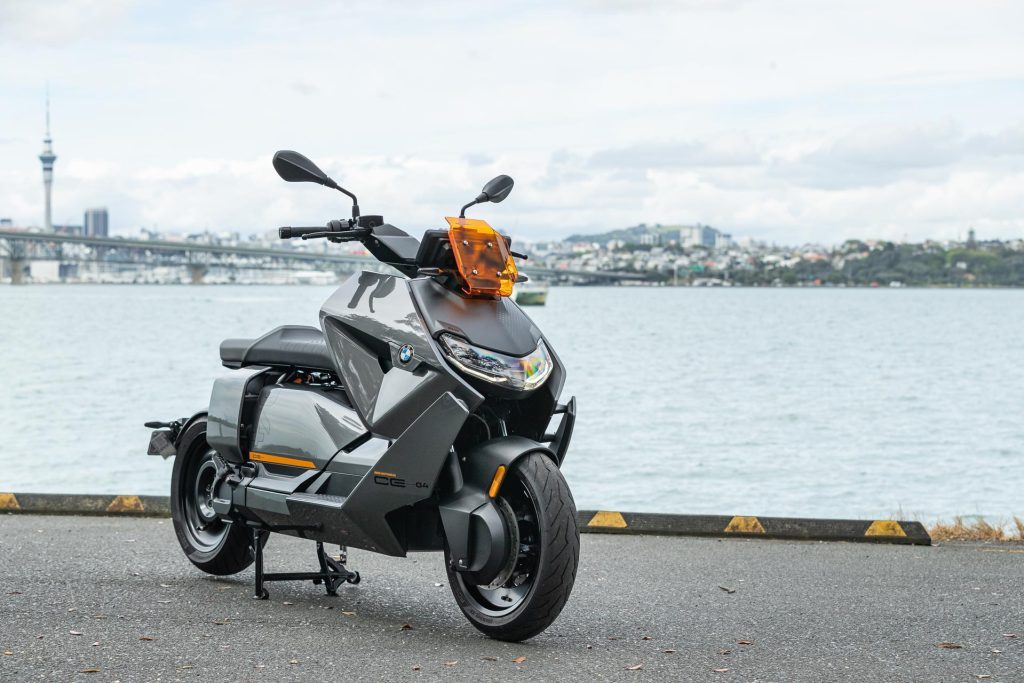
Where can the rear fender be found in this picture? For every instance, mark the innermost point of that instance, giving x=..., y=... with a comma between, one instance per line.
x=185, y=426
x=473, y=526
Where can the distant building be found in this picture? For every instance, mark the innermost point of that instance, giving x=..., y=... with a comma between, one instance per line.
x=708, y=235
x=701, y=236
x=6, y=223
x=68, y=229
x=96, y=223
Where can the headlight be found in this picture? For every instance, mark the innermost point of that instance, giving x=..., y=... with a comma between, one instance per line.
x=524, y=374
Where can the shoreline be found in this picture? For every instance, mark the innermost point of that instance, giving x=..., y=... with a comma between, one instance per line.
x=633, y=285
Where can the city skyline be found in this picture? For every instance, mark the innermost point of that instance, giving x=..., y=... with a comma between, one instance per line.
x=786, y=124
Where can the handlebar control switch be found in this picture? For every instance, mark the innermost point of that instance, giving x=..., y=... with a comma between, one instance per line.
x=370, y=221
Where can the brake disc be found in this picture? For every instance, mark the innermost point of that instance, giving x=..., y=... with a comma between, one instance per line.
x=513, y=553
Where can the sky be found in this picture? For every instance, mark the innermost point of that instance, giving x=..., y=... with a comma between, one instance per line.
x=788, y=121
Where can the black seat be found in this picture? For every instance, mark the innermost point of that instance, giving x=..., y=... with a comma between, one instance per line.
x=289, y=345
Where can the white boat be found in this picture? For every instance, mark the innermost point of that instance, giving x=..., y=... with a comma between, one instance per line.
x=530, y=294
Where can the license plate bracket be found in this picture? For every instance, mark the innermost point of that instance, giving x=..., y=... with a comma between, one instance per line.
x=161, y=442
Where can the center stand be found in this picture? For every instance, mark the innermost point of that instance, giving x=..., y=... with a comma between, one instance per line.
x=332, y=572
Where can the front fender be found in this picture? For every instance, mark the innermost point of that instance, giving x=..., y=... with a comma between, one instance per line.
x=473, y=526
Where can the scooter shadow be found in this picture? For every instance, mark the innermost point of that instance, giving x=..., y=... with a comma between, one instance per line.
x=386, y=600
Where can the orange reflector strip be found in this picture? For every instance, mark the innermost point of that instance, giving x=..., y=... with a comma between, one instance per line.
x=281, y=460
x=499, y=476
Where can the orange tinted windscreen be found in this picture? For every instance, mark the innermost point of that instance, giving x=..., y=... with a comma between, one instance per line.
x=482, y=257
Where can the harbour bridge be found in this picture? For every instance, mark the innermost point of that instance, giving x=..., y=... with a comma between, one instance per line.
x=19, y=249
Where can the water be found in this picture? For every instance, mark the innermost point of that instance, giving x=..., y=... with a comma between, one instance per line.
x=832, y=403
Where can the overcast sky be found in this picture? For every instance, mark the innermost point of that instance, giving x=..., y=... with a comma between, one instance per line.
x=788, y=121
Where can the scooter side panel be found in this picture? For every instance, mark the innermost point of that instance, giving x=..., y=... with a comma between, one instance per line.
x=379, y=307
x=304, y=422
x=366, y=322
x=405, y=474
x=359, y=368
x=225, y=414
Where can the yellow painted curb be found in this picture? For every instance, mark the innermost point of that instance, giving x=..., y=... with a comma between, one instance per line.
x=8, y=502
x=744, y=525
x=126, y=504
x=885, y=527
x=608, y=519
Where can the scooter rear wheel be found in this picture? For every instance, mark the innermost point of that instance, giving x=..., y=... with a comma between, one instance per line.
x=210, y=543
x=535, y=495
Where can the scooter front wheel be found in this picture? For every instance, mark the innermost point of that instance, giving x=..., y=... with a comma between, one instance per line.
x=537, y=581
x=210, y=543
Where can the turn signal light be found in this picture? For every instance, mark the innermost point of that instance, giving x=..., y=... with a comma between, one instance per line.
x=482, y=257
x=499, y=476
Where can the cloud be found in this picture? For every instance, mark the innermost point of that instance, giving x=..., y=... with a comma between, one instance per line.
x=1007, y=142
x=478, y=159
x=646, y=6
x=555, y=195
x=878, y=118
x=888, y=147
x=58, y=22
x=304, y=88
x=881, y=154
x=563, y=167
x=89, y=169
x=716, y=150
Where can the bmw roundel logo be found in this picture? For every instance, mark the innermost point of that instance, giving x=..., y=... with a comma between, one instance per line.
x=405, y=353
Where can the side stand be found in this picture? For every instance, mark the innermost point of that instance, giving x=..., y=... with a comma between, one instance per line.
x=332, y=573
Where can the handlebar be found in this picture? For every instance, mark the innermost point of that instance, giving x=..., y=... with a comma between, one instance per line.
x=333, y=232
x=288, y=233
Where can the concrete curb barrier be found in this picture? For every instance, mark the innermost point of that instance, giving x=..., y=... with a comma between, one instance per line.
x=77, y=504
x=860, y=530
x=590, y=521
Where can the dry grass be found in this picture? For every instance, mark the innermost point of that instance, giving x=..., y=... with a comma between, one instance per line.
x=977, y=530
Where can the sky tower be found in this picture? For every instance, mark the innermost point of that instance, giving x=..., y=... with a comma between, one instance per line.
x=48, y=157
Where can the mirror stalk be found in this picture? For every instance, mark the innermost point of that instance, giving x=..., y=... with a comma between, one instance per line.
x=355, y=202
x=462, y=214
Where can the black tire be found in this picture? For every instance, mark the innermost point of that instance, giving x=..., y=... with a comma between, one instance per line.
x=211, y=544
x=549, y=555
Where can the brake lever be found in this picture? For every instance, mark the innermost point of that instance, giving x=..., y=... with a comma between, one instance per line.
x=340, y=235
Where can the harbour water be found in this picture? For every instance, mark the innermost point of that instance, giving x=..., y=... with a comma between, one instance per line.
x=831, y=403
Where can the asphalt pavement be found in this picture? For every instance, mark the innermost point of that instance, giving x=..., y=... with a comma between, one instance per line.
x=105, y=599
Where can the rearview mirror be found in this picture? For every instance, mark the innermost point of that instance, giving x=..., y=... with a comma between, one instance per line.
x=295, y=168
x=496, y=189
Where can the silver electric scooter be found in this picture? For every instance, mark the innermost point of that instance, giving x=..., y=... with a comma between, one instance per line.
x=423, y=415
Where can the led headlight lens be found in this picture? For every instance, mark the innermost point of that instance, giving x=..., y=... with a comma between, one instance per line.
x=525, y=373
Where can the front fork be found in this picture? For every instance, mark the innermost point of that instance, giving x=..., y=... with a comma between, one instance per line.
x=474, y=528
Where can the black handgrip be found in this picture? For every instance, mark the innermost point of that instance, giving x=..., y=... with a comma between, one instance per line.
x=287, y=233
